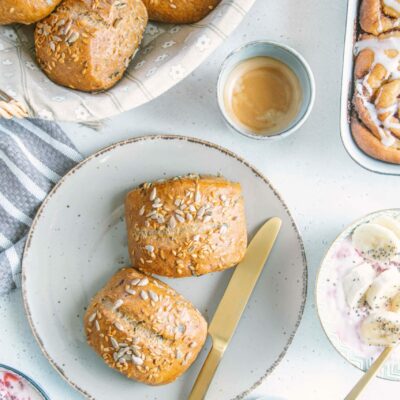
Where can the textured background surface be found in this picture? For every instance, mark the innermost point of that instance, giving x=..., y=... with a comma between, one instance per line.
x=323, y=187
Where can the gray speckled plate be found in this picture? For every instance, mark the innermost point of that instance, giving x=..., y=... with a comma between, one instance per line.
x=78, y=240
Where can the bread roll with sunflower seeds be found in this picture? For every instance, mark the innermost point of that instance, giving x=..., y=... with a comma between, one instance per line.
x=143, y=328
x=25, y=11
x=186, y=226
x=179, y=11
x=88, y=44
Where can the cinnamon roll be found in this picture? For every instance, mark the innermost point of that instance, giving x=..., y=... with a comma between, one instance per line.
x=378, y=16
x=376, y=96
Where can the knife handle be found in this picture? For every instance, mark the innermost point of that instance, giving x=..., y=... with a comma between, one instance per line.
x=207, y=372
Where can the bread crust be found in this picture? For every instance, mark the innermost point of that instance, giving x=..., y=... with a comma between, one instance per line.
x=88, y=44
x=372, y=146
x=25, y=11
x=143, y=328
x=186, y=226
x=376, y=17
x=179, y=11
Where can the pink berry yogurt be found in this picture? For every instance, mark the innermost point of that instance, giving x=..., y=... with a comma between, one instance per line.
x=343, y=321
x=16, y=387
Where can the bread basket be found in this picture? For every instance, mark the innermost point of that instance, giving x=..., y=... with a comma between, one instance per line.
x=168, y=54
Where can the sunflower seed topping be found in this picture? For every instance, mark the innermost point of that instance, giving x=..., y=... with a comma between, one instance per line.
x=73, y=37
x=135, y=281
x=179, y=218
x=196, y=238
x=117, y=304
x=153, y=194
x=137, y=360
x=189, y=217
x=97, y=325
x=144, y=295
x=142, y=210
x=143, y=282
x=172, y=222
x=122, y=351
x=223, y=229
x=114, y=343
x=178, y=354
x=207, y=218
x=201, y=212
x=119, y=326
x=92, y=317
x=153, y=295
x=130, y=291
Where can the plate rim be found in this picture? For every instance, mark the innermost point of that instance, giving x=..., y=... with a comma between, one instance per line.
x=165, y=137
x=317, y=283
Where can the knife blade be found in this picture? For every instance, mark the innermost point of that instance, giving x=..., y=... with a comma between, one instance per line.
x=234, y=301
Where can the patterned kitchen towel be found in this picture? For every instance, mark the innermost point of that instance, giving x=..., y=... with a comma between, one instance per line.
x=34, y=155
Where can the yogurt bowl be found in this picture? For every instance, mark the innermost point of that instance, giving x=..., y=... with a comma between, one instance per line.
x=17, y=386
x=344, y=320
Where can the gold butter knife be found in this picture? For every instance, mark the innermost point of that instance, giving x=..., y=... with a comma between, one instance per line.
x=370, y=374
x=233, y=303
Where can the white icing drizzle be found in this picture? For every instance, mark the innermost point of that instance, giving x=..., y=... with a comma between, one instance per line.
x=391, y=65
x=393, y=4
x=380, y=26
x=391, y=109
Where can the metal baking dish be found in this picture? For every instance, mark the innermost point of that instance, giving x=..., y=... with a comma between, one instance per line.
x=346, y=107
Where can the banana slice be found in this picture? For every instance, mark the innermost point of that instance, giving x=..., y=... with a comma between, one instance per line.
x=385, y=286
x=376, y=242
x=388, y=222
x=381, y=328
x=395, y=303
x=357, y=282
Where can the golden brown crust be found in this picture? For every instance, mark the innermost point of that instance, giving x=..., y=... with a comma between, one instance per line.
x=143, y=328
x=372, y=146
x=376, y=17
x=25, y=11
x=87, y=44
x=179, y=11
x=186, y=226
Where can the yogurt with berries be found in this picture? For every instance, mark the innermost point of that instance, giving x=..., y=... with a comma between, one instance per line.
x=14, y=386
x=358, y=291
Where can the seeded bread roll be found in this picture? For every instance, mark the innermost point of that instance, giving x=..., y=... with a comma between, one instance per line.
x=179, y=11
x=186, y=226
x=143, y=328
x=25, y=11
x=88, y=44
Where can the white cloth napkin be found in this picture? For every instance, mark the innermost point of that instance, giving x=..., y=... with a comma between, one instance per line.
x=34, y=155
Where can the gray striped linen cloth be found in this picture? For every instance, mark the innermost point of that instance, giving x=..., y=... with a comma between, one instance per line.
x=34, y=155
